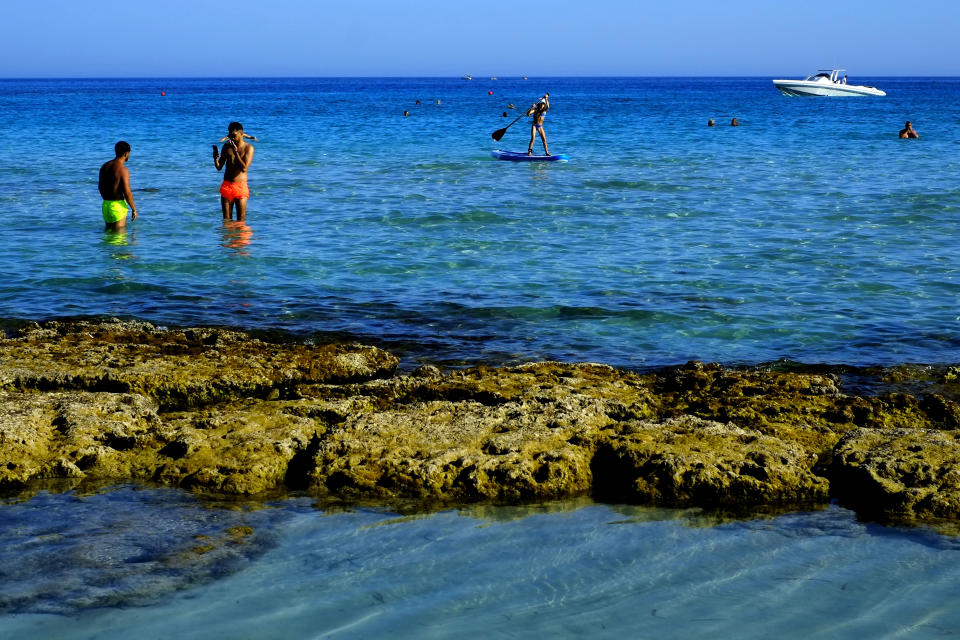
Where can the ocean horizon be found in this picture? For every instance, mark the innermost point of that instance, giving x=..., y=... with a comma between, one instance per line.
x=480, y=78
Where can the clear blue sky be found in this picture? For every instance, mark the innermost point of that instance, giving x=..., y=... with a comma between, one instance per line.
x=108, y=38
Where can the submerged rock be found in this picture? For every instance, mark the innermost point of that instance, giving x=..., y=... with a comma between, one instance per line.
x=221, y=412
x=127, y=546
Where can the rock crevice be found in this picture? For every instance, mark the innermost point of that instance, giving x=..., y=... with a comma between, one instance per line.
x=219, y=411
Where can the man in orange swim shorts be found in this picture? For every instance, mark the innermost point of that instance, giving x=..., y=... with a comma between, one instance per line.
x=236, y=157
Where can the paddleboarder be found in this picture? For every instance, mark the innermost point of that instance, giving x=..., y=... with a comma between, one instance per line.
x=538, y=111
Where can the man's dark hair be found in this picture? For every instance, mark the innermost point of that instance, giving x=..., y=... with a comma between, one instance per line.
x=234, y=126
x=121, y=148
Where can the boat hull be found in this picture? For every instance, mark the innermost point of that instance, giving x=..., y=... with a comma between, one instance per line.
x=803, y=88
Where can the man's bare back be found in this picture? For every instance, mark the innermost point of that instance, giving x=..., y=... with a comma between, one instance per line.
x=114, y=180
x=114, y=186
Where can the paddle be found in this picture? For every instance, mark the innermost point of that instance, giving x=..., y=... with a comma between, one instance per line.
x=496, y=135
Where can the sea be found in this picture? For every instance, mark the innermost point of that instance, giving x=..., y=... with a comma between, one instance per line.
x=809, y=234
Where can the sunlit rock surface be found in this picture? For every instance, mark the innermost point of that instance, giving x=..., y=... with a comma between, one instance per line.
x=219, y=411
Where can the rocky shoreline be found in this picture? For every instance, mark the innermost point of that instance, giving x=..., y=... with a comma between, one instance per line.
x=220, y=412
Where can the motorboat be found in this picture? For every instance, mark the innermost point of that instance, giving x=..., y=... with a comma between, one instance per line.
x=825, y=82
x=467, y=77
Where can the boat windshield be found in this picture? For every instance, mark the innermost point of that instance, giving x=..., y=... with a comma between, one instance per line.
x=824, y=76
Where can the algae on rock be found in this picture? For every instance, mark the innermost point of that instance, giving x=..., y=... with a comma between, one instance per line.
x=221, y=412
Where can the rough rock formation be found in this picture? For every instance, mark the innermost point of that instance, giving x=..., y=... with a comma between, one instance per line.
x=221, y=412
x=909, y=473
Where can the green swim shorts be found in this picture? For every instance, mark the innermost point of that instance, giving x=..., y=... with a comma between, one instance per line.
x=114, y=210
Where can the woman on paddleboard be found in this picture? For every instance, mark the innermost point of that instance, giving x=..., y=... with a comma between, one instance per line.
x=538, y=111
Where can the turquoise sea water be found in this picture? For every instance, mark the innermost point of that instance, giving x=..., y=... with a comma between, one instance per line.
x=809, y=233
x=565, y=570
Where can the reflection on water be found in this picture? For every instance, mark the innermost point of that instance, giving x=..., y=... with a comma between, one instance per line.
x=236, y=235
x=541, y=171
x=116, y=237
x=118, y=242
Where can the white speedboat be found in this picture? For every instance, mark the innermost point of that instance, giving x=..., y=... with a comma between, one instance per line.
x=826, y=82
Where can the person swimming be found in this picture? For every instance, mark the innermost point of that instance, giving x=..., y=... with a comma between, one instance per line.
x=245, y=137
x=908, y=131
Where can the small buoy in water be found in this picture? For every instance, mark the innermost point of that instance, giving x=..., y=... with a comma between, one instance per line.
x=489, y=93
x=163, y=93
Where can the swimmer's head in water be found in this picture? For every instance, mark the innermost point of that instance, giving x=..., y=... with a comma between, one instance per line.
x=235, y=132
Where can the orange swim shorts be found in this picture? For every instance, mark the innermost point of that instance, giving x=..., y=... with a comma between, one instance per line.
x=234, y=190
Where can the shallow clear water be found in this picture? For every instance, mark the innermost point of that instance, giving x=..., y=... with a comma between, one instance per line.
x=573, y=569
x=810, y=232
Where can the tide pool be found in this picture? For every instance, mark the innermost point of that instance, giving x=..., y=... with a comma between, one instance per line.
x=117, y=564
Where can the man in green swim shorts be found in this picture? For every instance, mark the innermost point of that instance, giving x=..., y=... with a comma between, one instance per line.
x=115, y=189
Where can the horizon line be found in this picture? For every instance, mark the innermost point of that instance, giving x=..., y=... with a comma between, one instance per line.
x=430, y=77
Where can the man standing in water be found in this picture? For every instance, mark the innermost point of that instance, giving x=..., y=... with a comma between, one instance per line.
x=114, y=185
x=237, y=156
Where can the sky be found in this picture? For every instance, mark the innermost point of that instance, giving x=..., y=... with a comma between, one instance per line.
x=323, y=38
